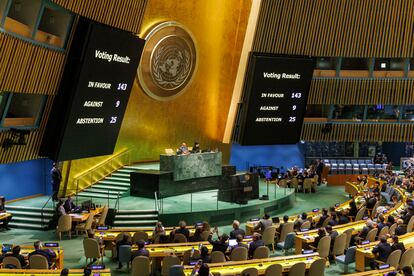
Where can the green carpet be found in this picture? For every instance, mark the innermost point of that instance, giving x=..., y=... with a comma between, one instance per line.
x=73, y=249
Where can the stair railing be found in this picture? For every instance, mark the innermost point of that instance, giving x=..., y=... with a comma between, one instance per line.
x=42, y=210
x=116, y=207
x=102, y=170
x=157, y=203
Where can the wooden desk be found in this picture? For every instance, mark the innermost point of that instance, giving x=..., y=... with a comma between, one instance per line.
x=82, y=217
x=178, y=249
x=250, y=225
x=236, y=267
x=4, y=215
x=359, y=199
x=374, y=272
x=111, y=234
x=40, y=272
x=341, y=179
x=308, y=237
x=353, y=188
x=315, y=216
x=27, y=249
x=364, y=252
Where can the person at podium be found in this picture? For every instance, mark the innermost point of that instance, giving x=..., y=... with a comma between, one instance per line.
x=196, y=148
x=183, y=149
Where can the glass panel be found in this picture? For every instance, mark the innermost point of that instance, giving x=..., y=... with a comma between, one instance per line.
x=411, y=64
x=383, y=112
x=53, y=27
x=3, y=102
x=355, y=64
x=317, y=110
x=22, y=16
x=326, y=63
x=24, y=110
x=389, y=64
x=408, y=112
x=3, y=6
x=348, y=112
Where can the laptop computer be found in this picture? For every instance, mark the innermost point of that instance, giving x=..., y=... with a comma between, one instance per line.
x=232, y=242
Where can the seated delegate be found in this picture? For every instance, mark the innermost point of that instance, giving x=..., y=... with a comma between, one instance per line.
x=69, y=205
x=49, y=254
x=183, y=149
x=15, y=253
x=196, y=148
x=142, y=251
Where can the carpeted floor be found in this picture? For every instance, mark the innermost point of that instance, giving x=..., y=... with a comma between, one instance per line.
x=73, y=249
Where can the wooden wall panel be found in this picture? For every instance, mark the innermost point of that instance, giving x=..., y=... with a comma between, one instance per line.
x=361, y=91
x=363, y=132
x=30, y=150
x=349, y=28
x=122, y=14
x=28, y=68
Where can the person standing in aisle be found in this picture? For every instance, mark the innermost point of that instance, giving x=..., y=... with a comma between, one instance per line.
x=56, y=178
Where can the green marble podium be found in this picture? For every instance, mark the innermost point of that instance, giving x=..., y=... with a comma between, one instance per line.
x=192, y=166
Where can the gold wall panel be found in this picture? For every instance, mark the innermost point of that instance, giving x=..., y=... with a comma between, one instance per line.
x=200, y=113
x=362, y=91
x=123, y=14
x=28, y=68
x=350, y=28
x=359, y=132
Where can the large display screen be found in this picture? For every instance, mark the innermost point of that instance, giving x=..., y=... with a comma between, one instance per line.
x=94, y=92
x=275, y=98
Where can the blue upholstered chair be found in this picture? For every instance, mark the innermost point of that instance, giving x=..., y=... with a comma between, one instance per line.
x=288, y=243
x=125, y=255
x=348, y=258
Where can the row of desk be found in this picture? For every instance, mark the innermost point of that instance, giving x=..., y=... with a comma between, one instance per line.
x=308, y=237
x=82, y=217
x=111, y=234
x=236, y=267
x=27, y=249
x=314, y=216
x=167, y=249
x=42, y=272
x=364, y=252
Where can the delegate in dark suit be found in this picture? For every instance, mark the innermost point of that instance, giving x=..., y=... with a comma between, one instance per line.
x=254, y=245
x=257, y=242
x=56, y=177
x=235, y=232
x=49, y=254
x=219, y=245
x=383, y=249
x=139, y=252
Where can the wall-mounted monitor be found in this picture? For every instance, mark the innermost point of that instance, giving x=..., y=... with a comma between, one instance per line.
x=93, y=93
x=274, y=99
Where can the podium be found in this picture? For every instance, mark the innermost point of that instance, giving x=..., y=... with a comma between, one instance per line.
x=239, y=188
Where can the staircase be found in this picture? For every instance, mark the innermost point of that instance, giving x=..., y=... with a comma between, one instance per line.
x=110, y=186
x=29, y=217
x=136, y=218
